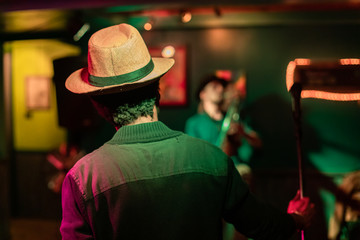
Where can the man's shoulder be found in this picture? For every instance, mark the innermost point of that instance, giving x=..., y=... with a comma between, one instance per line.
x=86, y=161
x=198, y=141
x=202, y=146
x=95, y=172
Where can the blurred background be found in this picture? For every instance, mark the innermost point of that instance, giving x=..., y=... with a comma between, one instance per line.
x=45, y=129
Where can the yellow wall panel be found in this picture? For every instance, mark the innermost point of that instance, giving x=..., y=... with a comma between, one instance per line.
x=36, y=130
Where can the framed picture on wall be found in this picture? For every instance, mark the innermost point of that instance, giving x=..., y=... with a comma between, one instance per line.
x=173, y=85
x=37, y=92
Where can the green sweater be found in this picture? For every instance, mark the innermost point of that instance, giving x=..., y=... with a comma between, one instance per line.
x=150, y=182
x=202, y=126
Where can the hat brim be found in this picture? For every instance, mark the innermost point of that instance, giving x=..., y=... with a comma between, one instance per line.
x=78, y=81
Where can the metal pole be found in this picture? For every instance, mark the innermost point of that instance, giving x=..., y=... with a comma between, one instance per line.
x=296, y=94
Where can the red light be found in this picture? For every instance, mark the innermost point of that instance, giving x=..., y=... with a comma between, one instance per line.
x=302, y=61
x=290, y=74
x=330, y=96
x=291, y=69
x=350, y=61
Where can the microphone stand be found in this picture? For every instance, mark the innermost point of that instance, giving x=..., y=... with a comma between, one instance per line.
x=295, y=91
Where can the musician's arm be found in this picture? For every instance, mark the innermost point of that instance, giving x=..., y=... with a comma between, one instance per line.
x=253, y=139
x=234, y=137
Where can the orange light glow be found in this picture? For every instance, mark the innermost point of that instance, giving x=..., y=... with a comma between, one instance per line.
x=302, y=61
x=350, y=61
x=330, y=96
x=148, y=26
x=290, y=74
x=240, y=85
x=186, y=17
x=333, y=96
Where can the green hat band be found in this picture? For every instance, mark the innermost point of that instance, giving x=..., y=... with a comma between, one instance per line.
x=123, y=78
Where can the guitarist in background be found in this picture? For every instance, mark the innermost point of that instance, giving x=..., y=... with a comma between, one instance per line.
x=206, y=123
x=218, y=120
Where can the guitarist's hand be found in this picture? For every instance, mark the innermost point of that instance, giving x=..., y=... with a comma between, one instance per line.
x=233, y=139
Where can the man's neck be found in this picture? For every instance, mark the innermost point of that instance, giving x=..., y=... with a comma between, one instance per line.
x=146, y=119
x=140, y=120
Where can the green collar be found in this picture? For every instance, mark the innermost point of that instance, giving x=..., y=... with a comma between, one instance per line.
x=142, y=133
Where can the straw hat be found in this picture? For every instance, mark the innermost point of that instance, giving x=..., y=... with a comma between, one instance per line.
x=118, y=61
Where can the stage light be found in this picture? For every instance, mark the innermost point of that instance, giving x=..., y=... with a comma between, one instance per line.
x=332, y=80
x=185, y=16
x=148, y=26
x=302, y=61
x=168, y=52
x=290, y=74
x=350, y=61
